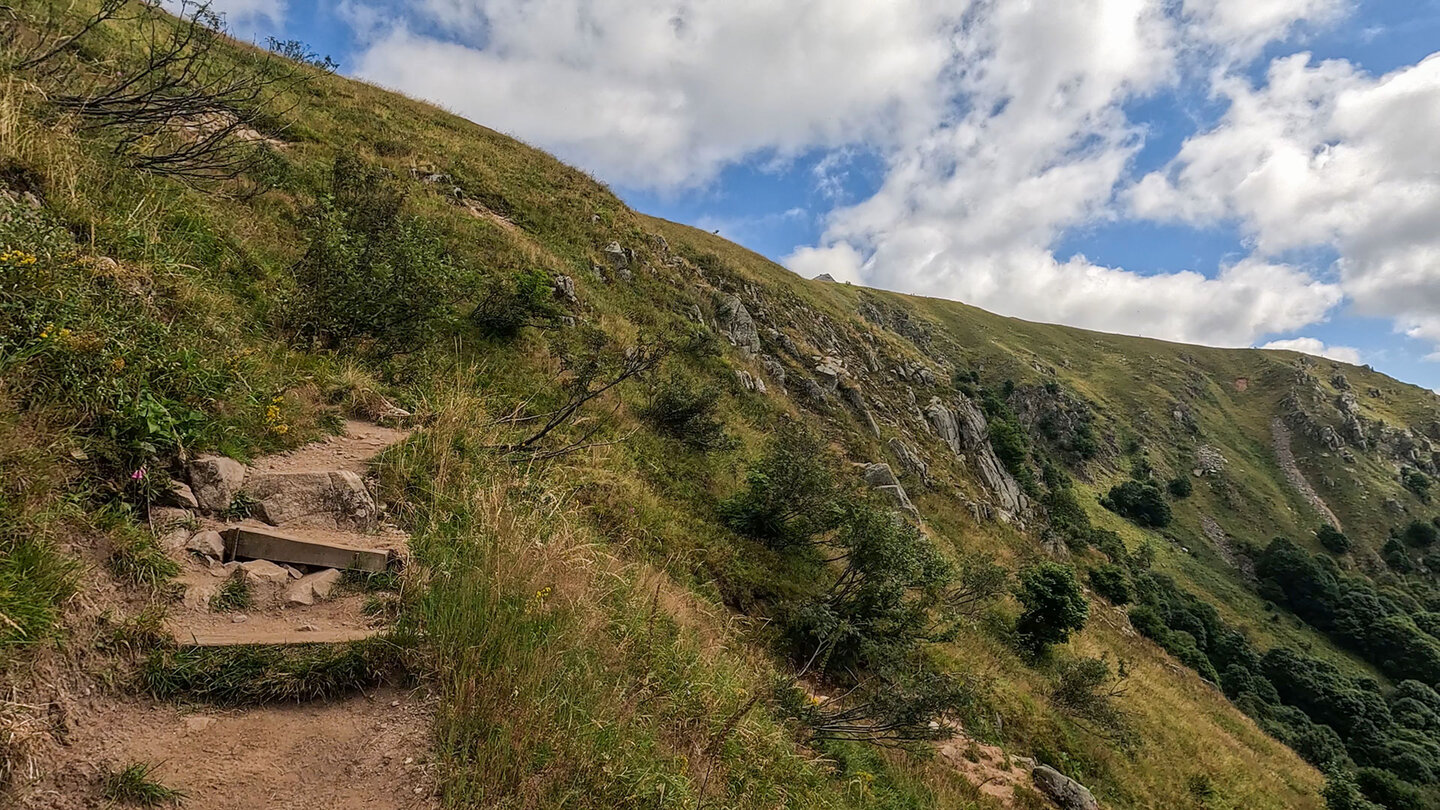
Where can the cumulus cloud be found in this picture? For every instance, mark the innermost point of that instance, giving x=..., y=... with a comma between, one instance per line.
x=241, y=15
x=1317, y=347
x=1323, y=155
x=664, y=93
x=998, y=126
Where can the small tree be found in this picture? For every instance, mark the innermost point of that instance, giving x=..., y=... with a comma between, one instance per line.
x=1139, y=502
x=1420, y=533
x=1055, y=606
x=509, y=302
x=790, y=493
x=1333, y=539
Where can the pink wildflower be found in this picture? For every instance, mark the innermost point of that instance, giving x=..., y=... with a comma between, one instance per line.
x=138, y=474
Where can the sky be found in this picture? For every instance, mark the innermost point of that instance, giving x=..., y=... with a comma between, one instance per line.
x=1225, y=172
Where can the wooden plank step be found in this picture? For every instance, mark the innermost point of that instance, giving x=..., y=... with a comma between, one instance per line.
x=241, y=636
x=251, y=543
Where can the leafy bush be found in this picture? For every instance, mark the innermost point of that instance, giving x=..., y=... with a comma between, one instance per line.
x=1086, y=688
x=508, y=303
x=790, y=492
x=1111, y=582
x=1420, y=533
x=1390, y=791
x=1140, y=502
x=1055, y=606
x=685, y=411
x=1333, y=540
x=370, y=272
x=1417, y=482
x=1180, y=486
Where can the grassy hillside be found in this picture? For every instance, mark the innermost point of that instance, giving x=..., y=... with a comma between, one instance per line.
x=597, y=630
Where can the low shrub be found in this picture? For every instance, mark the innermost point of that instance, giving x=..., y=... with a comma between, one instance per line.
x=508, y=303
x=686, y=411
x=1140, y=502
x=1111, y=582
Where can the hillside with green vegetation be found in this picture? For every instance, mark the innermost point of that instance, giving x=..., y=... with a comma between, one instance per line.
x=686, y=530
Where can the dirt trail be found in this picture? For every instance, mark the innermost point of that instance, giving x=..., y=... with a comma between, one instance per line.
x=1283, y=453
x=993, y=772
x=367, y=751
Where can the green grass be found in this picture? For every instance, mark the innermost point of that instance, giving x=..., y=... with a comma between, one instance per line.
x=235, y=594
x=257, y=675
x=135, y=785
x=138, y=560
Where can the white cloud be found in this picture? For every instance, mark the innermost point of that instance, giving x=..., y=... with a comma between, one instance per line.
x=1309, y=345
x=242, y=16
x=663, y=93
x=1323, y=155
x=999, y=126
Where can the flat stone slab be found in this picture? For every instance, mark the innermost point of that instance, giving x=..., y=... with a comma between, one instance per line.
x=250, y=543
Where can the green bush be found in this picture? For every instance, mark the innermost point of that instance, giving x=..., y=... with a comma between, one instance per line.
x=1180, y=486
x=1333, y=540
x=1055, y=606
x=508, y=303
x=370, y=272
x=1111, y=582
x=1086, y=688
x=683, y=410
x=1420, y=533
x=1390, y=791
x=790, y=492
x=1417, y=482
x=1140, y=502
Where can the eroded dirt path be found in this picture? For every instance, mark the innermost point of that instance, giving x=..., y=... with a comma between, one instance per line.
x=1286, y=456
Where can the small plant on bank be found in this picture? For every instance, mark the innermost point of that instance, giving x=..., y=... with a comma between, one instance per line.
x=234, y=595
x=685, y=411
x=135, y=785
x=138, y=560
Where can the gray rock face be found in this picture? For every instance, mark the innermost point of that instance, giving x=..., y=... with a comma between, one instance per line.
x=828, y=373
x=565, y=289
x=774, y=368
x=882, y=479
x=214, y=480
x=737, y=325
x=1061, y=789
x=1209, y=461
x=750, y=382
x=180, y=495
x=333, y=499
x=910, y=461
x=965, y=430
x=856, y=400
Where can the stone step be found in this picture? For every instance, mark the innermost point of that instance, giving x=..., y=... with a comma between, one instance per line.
x=253, y=543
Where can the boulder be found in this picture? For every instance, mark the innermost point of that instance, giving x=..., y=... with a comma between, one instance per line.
x=750, y=382
x=856, y=400
x=737, y=325
x=207, y=544
x=1061, y=789
x=828, y=372
x=774, y=368
x=565, y=289
x=214, y=480
x=264, y=572
x=882, y=479
x=313, y=588
x=965, y=429
x=335, y=499
x=180, y=496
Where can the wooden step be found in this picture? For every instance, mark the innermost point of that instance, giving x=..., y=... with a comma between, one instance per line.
x=252, y=543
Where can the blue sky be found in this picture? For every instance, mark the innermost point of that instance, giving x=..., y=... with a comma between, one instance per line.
x=1230, y=172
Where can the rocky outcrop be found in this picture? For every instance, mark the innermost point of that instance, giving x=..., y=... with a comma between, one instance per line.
x=828, y=372
x=882, y=479
x=856, y=401
x=620, y=260
x=1285, y=457
x=965, y=431
x=1208, y=461
x=737, y=325
x=750, y=382
x=565, y=289
x=214, y=480
x=1061, y=789
x=910, y=461
x=774, y=368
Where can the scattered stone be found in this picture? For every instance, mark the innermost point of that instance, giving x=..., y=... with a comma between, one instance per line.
x=197, y=722
x=307, y=628
x=180, y=495
x=313, y=588
x=214, y=480
x=207, y=544
x=1208, y=461
x=828, y=372
x=856, y=400
x=774, y=368
x=1064, y=791
x=264, y=571
x=239, y=618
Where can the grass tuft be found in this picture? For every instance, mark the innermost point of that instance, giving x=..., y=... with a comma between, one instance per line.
x=135, y=785
x=138, y=560
x=257, y=675
x=234, y=595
